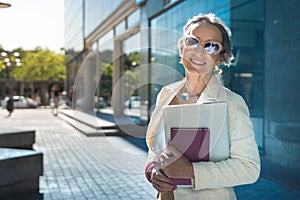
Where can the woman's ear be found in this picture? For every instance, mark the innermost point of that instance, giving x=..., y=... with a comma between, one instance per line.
x=224, y=56
x=220, y=60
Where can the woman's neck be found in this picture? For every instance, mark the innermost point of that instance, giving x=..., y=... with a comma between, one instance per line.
x=195, y=84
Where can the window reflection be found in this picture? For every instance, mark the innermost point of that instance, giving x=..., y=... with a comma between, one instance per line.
x=133, y=19
x=120, y=28
x=132, y=76
x=104, y=89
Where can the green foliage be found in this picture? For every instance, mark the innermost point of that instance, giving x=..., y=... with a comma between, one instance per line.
x=40, y=65
x=107, y=69
x=105, y=59
x=105, y=84
x=2, y=69
x=132, y=74
x=135, y=57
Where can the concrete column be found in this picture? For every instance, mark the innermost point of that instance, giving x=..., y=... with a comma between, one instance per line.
x=118, y=83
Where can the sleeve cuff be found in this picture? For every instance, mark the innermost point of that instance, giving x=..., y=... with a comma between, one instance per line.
x=195, y=181
x=148, y=169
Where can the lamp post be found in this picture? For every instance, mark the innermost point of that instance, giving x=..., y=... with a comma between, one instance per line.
x=4, y=5
x=10, y=59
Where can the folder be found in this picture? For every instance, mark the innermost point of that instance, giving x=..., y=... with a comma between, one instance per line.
x=193, y=143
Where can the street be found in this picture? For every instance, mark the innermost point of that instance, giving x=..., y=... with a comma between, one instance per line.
x=80, y=167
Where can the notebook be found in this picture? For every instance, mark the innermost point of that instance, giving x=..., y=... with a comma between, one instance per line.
x=199, y=131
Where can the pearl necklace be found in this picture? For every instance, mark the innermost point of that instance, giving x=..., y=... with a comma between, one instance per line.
x=186, y=96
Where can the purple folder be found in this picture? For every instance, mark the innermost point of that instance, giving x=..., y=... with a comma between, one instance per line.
x=193, y=143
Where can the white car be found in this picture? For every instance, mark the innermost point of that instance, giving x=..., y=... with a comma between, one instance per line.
x=20, y=102
x=133, y=102
x=62, y=101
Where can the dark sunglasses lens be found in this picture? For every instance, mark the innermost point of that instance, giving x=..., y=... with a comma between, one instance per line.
x=211, y=47
x=191, y=42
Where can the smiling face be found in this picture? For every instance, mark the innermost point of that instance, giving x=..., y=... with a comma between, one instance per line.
x=196, y=59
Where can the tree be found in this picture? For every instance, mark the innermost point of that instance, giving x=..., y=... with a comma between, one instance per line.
x=132, y=73
x=41, y=65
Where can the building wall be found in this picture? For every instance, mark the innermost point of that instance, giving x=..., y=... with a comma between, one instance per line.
x=281, y=159
x=269, y=49
x=97, y=12
x=74, y=26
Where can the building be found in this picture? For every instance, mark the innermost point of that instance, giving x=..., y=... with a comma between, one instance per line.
x=128, y=48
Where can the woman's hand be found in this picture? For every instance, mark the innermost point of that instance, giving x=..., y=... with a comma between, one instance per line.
x=176, y=165
x=160, y=181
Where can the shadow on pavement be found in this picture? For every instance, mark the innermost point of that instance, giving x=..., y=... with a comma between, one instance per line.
x=138, y=142
x=26, y=196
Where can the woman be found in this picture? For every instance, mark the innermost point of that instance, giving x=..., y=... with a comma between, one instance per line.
x=204, y=46
x=55, y=97
x=10, y=105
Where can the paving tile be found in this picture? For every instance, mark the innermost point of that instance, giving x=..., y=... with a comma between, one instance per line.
x=80, y=167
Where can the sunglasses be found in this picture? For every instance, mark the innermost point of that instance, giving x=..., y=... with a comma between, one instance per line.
x=210, y=47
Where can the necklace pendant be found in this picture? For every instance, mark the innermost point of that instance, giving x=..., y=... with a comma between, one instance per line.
x=185, y=96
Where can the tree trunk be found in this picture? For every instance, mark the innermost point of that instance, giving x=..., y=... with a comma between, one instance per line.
x=44, y=93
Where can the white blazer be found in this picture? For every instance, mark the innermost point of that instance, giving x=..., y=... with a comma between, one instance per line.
x=213, y=180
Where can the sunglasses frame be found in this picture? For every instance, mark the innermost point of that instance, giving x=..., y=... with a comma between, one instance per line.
x=202, y=44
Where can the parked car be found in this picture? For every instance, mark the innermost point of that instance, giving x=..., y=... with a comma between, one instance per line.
x=62, y=101
x=101, y=103
x=20, y=102
x=133, y=102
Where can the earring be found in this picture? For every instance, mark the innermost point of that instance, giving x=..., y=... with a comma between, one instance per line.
x=218, y=69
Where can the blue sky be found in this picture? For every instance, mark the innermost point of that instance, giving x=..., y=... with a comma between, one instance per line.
x=32, y=23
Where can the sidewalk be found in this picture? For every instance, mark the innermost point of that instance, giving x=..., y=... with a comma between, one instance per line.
x=80, y=167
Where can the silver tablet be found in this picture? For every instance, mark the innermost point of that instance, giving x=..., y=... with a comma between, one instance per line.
x=212, y=116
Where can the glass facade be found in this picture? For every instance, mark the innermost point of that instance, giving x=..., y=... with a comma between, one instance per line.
x=74, y=39
x=74, y=36
x=98, y=10
x=246, y=76
x=133, y=19
x=255, y=25
x=245, y=19
x=131, y=75
x=120, y=28
x=105, y=49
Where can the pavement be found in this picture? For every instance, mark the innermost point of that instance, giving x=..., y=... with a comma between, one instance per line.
x=103, y=167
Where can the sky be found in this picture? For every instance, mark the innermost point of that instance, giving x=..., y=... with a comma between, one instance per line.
x=32, y=23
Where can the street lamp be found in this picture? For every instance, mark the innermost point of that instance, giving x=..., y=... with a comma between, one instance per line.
x=10, y=61
x=4, y=5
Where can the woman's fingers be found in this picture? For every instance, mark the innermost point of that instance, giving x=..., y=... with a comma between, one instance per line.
x=157, y=174
x=161, y=182
x=164, y=187
x=175, y=164
x=171, y=155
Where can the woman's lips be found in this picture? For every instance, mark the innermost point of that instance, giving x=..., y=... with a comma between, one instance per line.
x=197, y=62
